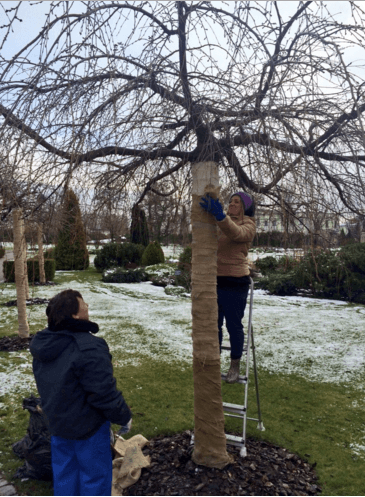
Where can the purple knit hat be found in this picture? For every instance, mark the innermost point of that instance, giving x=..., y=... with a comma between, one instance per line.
x=248, y=203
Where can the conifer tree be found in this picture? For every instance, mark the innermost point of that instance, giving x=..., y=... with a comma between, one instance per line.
x=71, y=251
x=139, y=228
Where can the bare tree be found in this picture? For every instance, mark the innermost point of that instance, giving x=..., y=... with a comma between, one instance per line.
x=20, y=268
x=122, y=95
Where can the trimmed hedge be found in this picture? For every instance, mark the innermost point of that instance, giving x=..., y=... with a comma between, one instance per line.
x=120, y=275
x=33, y=270
x=118, y=254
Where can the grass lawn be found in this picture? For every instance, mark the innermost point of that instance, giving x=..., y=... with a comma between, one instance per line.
x=148, y=334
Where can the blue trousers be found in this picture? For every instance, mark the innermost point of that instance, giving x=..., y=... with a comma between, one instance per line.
x=231, y=306
x=83, y=467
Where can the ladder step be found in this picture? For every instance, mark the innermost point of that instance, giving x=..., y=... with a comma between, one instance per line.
x=233, y=440
x=241, y=379
x=234, y=408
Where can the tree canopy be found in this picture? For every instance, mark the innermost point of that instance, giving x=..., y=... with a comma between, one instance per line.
x=126, y=94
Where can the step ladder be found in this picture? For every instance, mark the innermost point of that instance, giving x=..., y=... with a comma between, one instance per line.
x=237, y=410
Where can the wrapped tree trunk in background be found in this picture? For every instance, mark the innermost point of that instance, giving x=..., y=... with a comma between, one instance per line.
x=42, y=275
x=19, y=257
x=24, y=242
x=210, y=440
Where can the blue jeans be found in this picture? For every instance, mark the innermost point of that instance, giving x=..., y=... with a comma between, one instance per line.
x=231, y=306
x=83, y=467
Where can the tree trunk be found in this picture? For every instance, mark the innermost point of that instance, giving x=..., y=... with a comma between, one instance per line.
x=210, y=441
x=19, y=273
x=24, y=242
x=42, y=275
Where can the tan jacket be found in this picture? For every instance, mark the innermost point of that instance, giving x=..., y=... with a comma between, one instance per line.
x=234, y=240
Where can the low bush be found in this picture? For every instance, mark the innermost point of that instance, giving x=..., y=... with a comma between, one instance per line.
x=118, y=255
x=175, y=291
x=279, y=284
x=267, y=264
x=33, y=270
x=120, y=275
x=153, y=254
x=161, y=274
x=326, y=273
x=287, y=263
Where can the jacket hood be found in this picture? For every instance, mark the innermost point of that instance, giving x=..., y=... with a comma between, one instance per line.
x=48, y=344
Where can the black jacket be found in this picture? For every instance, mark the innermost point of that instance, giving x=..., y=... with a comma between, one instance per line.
x=74, y=376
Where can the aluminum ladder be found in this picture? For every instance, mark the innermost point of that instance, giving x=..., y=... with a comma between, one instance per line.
x=240, y=411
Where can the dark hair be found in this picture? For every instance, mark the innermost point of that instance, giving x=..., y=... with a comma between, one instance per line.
x=62, y=306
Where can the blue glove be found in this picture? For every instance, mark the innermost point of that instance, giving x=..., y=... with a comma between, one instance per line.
x=213, y=206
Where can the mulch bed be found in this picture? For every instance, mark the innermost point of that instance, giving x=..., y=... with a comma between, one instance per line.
x=35, y=301
x=15, y=343
x=267, y=470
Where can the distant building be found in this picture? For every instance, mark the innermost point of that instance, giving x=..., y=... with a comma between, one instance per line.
x=274, y=220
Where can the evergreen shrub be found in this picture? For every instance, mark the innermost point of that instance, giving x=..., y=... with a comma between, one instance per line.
x=118, y=255
x=71, y=250
x=153, y=254
x=279, y=284
x=120, y=275
x=139, y=229
x=267, y=264
x=175, y=291
x=33, y=270
x=161, y=274
x=325, y=273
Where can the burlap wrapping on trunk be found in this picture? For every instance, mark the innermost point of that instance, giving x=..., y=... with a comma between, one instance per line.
x=127, y=467
x=210, y=441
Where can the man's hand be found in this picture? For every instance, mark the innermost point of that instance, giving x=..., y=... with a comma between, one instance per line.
x=213, y=206
x=125, y=429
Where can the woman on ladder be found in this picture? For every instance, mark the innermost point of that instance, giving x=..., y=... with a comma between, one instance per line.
x=236, y=232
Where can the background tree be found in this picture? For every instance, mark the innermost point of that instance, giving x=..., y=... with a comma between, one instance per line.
x=42, y=275
x=71, y=251
x=127, y=94
x=20, y=274
x=139, y=229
